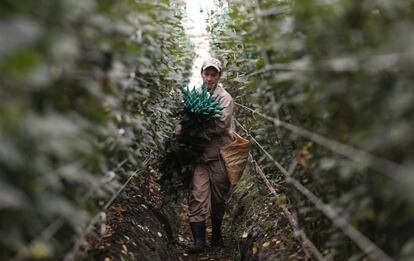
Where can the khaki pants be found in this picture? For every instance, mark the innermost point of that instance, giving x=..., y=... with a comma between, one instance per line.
x=210, y=187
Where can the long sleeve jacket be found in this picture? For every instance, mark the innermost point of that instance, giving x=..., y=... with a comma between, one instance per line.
x=222, y=131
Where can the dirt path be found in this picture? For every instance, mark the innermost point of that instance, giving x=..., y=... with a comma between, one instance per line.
x=136, y=229
x=139, y=227
x=185, y=239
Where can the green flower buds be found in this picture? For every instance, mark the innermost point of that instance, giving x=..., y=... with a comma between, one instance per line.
x=202, y=104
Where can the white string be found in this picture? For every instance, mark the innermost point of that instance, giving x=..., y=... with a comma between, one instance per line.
x=374, y=63
x=57, y=223
x=355, y=235
x=100, y=216
x=386, y=167
x=307, y=244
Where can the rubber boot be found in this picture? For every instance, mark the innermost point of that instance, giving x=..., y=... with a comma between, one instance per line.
x=198, y=230
x=216, y=237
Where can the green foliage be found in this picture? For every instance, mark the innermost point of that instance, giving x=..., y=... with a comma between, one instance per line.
x=85, y=100
x=202, y=105
x=199, y=112
x=340, y=69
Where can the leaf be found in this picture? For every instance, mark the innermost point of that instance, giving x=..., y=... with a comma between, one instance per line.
x=119, y=208
x=40, y=250
x=124, y=249
x=254, y=250
x=292, y=256
x=281, y=201
x=301, y=158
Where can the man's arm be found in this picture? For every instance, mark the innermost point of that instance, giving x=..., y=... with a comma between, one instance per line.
x=224, y=123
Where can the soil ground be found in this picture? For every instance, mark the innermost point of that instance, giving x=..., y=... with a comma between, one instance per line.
x=136, y=229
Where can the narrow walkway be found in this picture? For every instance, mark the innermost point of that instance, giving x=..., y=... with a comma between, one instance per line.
x=185, y=239
x=135, y=229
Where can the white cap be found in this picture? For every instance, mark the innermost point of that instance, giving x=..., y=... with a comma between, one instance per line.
x=211, y=62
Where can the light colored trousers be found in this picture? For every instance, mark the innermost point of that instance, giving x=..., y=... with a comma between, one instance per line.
x=210, y=186
x=210, y=189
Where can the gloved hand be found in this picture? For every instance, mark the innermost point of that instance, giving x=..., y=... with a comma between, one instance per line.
x=178, y=129
x=174, y=146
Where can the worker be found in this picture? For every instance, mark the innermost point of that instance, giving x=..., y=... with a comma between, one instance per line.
x=210, y=184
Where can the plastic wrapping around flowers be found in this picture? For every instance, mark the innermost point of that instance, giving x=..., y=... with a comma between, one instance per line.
x=202, y=104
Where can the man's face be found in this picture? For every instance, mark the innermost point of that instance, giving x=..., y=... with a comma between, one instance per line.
x=211, y=76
